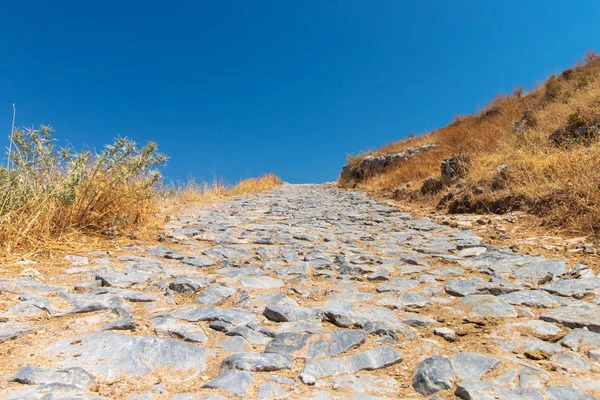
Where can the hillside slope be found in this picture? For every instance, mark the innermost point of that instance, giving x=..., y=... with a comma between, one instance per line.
x=534, y=151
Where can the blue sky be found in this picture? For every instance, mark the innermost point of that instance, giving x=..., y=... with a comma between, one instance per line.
x=239, y=88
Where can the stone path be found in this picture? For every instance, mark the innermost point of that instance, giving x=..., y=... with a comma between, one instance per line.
x=305, y=291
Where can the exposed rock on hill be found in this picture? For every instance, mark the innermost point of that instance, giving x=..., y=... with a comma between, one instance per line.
x=373, y=165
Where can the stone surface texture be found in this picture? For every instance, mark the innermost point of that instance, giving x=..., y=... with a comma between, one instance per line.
x=302, y=292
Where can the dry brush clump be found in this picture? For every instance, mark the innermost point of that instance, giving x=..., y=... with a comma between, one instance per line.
x=52, y=197
x=193, y=191
x=49, y=193
x=545, y=141
x=254, y=185
x=177, y=194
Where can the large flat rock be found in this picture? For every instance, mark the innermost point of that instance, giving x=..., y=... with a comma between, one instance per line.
x=107, y=355
x=369, y=360
x=575, y=317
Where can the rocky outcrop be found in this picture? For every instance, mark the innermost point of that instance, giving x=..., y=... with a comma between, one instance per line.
x=454, y=168
x=431, y=186
x=373, y=165
x=582, y=134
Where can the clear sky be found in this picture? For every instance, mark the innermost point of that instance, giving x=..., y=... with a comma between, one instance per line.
x=239, y=88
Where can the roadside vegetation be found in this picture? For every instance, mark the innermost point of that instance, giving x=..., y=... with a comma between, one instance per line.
x=54, y=197
x=536, y=151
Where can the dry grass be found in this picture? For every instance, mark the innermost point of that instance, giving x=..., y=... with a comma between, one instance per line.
x=50, y=196
x=53, y=199
x=254, y=185
x=193, y=192
x=560, y=184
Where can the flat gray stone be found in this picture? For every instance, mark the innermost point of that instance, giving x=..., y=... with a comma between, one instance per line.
x=585, y=384
x=414, y=300
x=537, y=270
x=575, y=317
x=165, y=326
x=486, y=305
x=318, y=345
x=88, y=285
x=446, y=333
x=299, y=327
x=28, y=286
x=38, y=302
x=263, y=282
x=141, y=261
x=376, y=320
x=409, y=270
x=160, y=250
x=291, y=313
x=298, y=270
x=366, y=383
x=123, y=324
x=348, y=297
x=397, y=285
x=74, y=376
x=263, y=362
x=471, y=252
x=542, y=346
x=566, y=393
x=540, y=328
x=198, y=261
x=480, y=390
x=445, y=272
x=530, y=298
x=13, y=330
x=236, y=344
x=84, y=303
x=124, y=279
x=594, y=355
x=107, y=355
x=432, y=375
x=578, y=337
x=380, y=357
x=497, y=287
x=498, y=261
x=472, y=366
x=232, y=381
x=228, y=253
x=232, y=316
x=381, y=274
x=215, y=294
x=271, y=391
x=184, y=284
x=508, y=379
x=461, y=287
x=53, y=391
x=578, y=288
x=129, y=295
x=532, y=379
x=569, y=361
x=418, y=321
x=251, y=335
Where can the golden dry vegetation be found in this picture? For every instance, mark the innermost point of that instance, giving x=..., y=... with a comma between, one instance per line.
x=560, y=183
x=54, y=198
x=253, y=185
x=193, y=191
